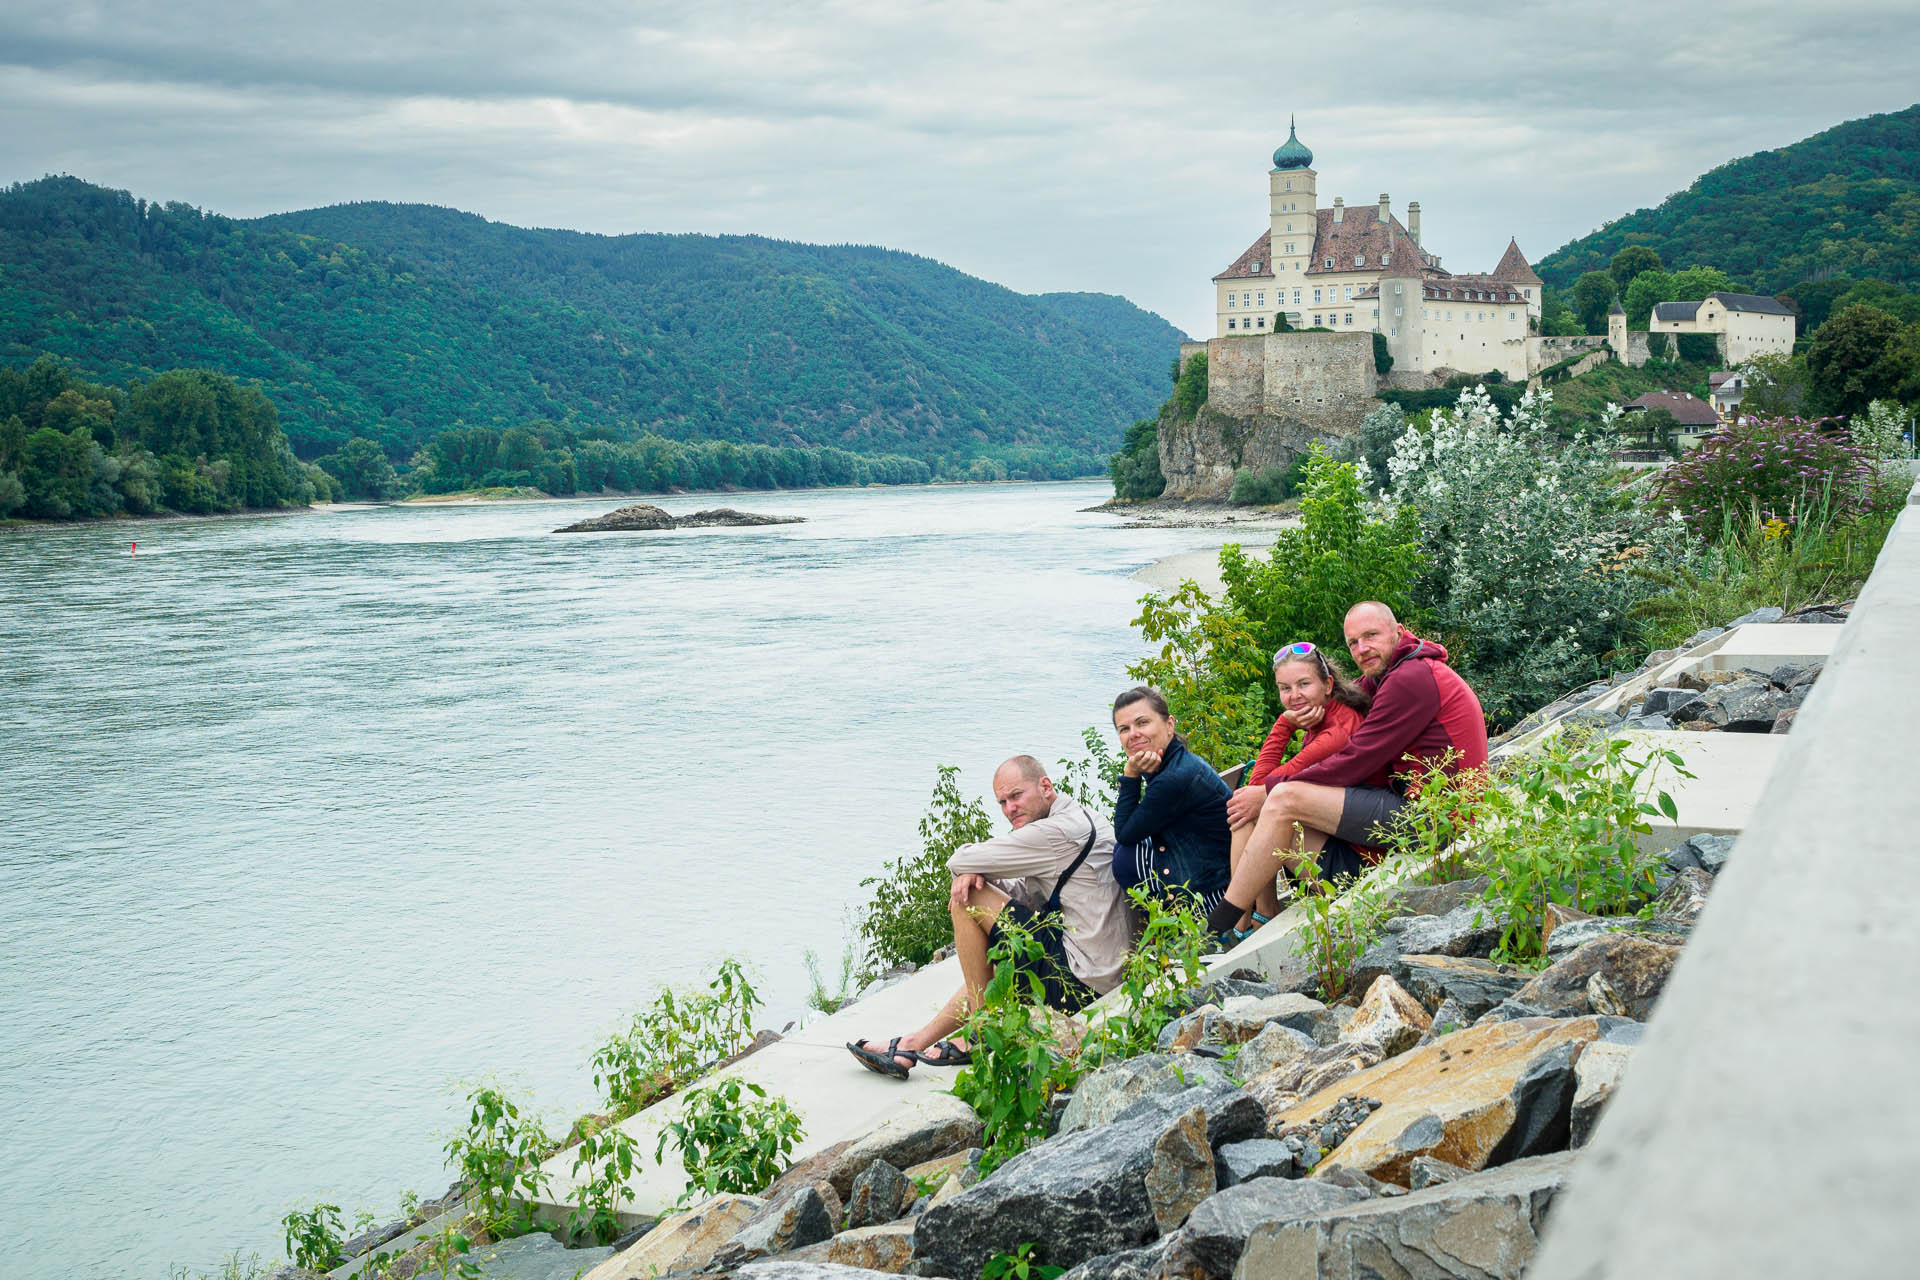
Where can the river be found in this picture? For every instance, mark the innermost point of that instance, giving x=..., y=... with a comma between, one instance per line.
x=308, y=823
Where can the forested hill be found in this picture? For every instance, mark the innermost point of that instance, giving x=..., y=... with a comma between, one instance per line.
x=1843, y=202
x=399, y=321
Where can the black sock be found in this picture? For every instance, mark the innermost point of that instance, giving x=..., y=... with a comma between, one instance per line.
x=1224, y=917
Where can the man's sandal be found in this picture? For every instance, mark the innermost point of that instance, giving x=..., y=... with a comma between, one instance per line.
x=882, y=1063
x=944, y=1054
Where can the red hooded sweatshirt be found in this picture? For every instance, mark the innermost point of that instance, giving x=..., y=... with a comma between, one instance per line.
x=1422, y=709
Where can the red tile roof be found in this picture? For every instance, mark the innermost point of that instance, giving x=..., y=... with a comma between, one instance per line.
x=1361, y=234
x=1513, y=267
x=1242, y=266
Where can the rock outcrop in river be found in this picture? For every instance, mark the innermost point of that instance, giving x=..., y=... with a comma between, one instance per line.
x=644, y=515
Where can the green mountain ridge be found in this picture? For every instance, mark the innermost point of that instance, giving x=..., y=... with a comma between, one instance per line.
x=1845, y=201
x=396, y=322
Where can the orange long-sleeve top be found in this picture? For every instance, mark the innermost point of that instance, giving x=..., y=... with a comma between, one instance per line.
x=1326, y=738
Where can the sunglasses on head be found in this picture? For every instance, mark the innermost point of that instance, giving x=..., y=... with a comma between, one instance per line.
x=1302, y=649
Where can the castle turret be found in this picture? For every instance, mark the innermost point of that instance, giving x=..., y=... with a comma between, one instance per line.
x=1292, y=210
x=1617, y=330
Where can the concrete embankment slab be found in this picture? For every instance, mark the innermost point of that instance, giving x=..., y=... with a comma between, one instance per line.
x=836, y=1097
x=1769, y=1125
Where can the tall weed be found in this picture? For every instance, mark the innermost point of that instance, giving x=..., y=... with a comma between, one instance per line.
x=907, y=920
x=675, y=1039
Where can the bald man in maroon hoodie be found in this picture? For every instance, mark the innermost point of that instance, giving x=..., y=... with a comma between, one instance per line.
x=1423, y=712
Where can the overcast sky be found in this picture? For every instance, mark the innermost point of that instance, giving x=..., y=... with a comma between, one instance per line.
x=1121, y=148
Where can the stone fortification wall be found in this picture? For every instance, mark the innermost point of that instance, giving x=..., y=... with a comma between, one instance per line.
x=1268, y=397
x=1542, y=352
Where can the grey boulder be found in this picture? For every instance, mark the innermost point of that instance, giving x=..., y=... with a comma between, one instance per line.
x=793, y=1219
x=1103, y=1094
x=535, y=1257
x=1601, y=1068
x=880, y=1194
x=1473, y=984
x=1486, y=1226
x=1210, y=1243
x=1080, y=1194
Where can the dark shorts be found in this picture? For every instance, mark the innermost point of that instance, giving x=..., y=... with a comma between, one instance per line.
x=1367, y=808
x=1339, y=861
x=1063, y=990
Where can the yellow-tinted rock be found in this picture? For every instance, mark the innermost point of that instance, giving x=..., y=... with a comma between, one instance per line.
x=1388, y=1017
x=682, y=1242
x=1452, y=1099
x=887, y=1247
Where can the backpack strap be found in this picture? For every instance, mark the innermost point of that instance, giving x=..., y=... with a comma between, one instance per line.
x=1093, y=833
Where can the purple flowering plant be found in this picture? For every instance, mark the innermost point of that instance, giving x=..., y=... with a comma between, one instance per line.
x=1773, y=468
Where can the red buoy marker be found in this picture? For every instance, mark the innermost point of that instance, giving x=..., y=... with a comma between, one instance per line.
x=136, y=549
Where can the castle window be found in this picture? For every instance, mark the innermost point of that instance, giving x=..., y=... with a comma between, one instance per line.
x=1296, y=297
x=1289, y=246
x=1359, y=259
x=1316, y=295
x=1329, y=264
x=1263, y=297
x=1349, y=319
x=1316, y=317
x=1232, y=323
x=1349, y=293
x=1256, y=266
x=1263, y=322
x=1386, y=259
x=1231, y=297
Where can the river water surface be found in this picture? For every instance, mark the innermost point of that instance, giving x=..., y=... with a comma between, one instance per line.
x=307, y=823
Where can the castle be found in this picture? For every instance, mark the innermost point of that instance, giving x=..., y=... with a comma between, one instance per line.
x=1361, y=269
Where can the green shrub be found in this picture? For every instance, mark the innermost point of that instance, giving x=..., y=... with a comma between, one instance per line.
x=1657, y=345
x=1528, y=546
x=1163, y=967
x=1339, y=920
x=729, y=1141
x=1190, y=391
x=1697, y=348
x=1382, y=358
x=1373, y=444
x=1779, y=467
x=1016, y=1067
x=606, y=1158
x=907, y=920
x=313, y=1237
x=1022, y=1264
x=1136, y=468
x=1269, y=487
x=498, y=1156
x=675, y=1039
x=1562, y=826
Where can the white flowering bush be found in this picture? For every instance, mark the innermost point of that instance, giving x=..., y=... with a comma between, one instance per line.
x=1885, y=430
x=1530, y=546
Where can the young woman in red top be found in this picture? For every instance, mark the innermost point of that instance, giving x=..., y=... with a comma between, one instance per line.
x=1317, y=697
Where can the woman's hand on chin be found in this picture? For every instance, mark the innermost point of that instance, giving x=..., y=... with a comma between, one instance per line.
x=1143, y=761
x=1305, y=717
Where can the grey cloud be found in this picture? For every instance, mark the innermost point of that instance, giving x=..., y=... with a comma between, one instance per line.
x=1114, y=147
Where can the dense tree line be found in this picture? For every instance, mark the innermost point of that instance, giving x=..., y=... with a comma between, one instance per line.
x=394, y=322
x=1845, y=202
x=557, y=461
x=197, y=441
x=188, y=440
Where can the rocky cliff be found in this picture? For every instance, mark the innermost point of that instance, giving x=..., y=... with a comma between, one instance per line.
x=1268, y=397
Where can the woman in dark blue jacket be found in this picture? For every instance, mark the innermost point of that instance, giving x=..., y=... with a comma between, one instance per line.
x=1170, y=826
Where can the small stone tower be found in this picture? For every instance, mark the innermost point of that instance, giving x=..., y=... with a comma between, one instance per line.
x=1292, y=205
x=1617, y=330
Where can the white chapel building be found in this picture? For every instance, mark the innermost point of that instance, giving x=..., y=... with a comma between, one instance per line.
x=1361, y=268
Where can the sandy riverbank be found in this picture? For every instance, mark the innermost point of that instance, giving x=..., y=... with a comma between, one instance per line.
x=1203, y=566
